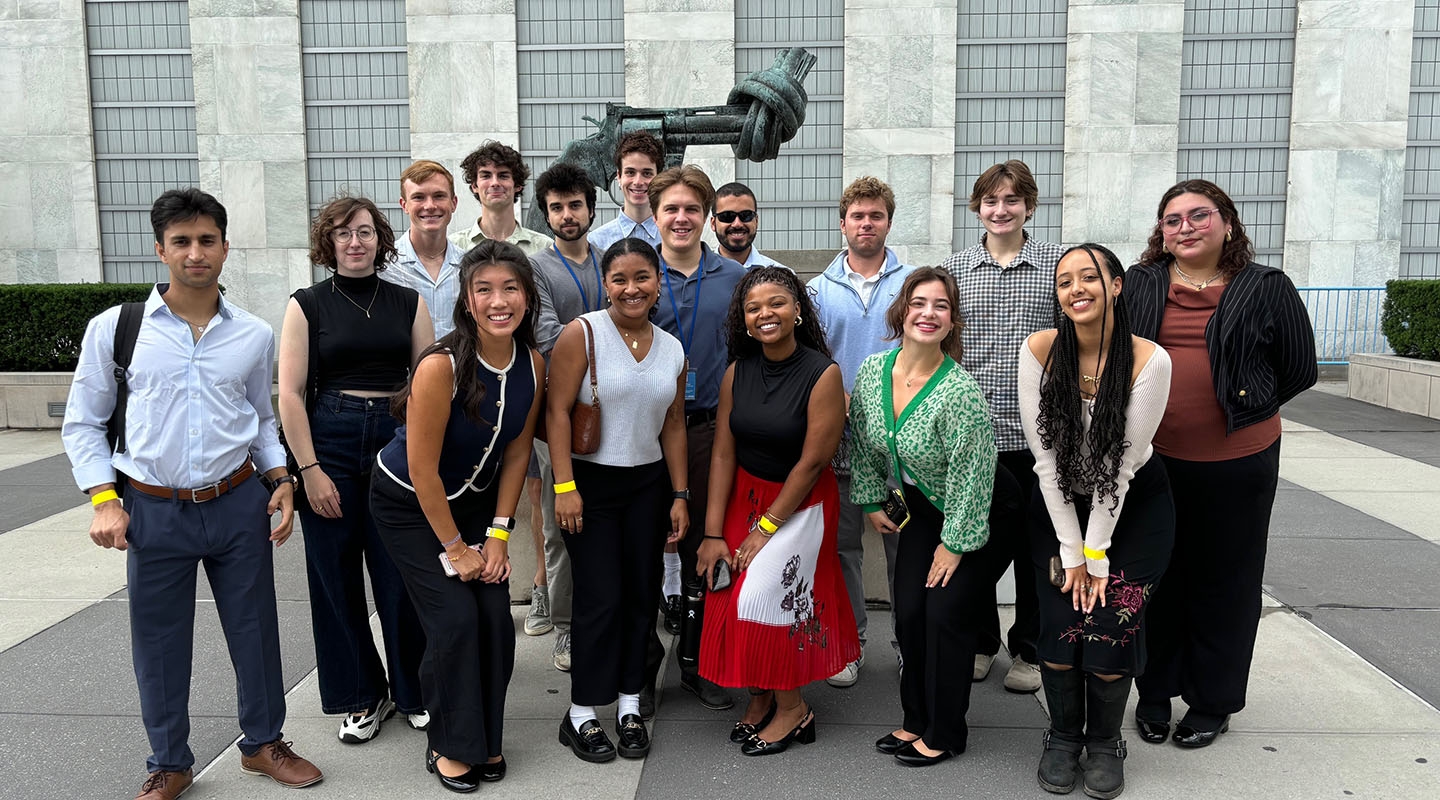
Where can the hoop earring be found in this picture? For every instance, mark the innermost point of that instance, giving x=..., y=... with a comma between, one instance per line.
x=799, y=320
x=748, y=333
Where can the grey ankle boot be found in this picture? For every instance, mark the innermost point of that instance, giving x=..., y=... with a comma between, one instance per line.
x=1104, y=749
x=1060, y=761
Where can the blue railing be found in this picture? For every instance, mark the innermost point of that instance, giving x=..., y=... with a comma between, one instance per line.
x=1346, y=321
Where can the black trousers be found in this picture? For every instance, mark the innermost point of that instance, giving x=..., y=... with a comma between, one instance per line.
x=617, y=565
x=1205, y=613
x=469, y=634
x=1009, y=518
x=699, y=440
x=938, y=628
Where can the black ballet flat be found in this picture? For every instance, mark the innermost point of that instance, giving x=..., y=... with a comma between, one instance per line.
x=1152, y=731
x=890, y=744
x=1187, y=736
x=743, y=731
x=461, y=784
x=804, y=733
x=911, y=757
x=490, y=773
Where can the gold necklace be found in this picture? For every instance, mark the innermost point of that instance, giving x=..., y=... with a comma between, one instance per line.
x=911, y=379
x=634, y=340
x=1198, y=284
x=365, y=308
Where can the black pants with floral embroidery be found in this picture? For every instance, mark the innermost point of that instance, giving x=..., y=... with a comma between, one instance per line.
x=1110, y=640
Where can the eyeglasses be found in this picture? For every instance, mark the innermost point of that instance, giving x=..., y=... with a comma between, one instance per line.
x=747, y=216
x=1199, y=220
x=342, y=235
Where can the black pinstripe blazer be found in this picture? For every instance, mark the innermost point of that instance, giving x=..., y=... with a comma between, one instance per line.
x=1262, y=348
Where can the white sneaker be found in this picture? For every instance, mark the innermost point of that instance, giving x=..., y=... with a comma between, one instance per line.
x=1023, y=677
x=561, y=656
x=538, y=622
x=419, y=721
x=847, y=677
x=361, y=728
x=982, y=667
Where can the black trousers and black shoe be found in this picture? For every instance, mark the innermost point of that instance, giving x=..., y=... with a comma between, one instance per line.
x=1009, y=520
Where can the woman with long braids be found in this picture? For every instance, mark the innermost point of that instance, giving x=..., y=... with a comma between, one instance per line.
x=444, y=499
x=1243, y=346
x=1091, y=396
x=785, y=621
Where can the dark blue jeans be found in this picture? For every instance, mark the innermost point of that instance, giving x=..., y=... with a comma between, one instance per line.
x=347, y=433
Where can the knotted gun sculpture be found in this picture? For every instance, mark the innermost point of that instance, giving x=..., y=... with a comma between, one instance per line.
x=763, y=111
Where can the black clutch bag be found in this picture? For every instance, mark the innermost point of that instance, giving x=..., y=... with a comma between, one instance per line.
x=894, y=506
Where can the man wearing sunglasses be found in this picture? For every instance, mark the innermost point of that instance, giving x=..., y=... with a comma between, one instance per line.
x=735, y=224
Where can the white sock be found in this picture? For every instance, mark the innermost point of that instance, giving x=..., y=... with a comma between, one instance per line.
x=629, y=704
x=579, y=715
x=672, y=574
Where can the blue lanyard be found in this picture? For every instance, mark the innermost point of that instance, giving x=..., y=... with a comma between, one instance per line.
x=674, y=308
x=599, y=290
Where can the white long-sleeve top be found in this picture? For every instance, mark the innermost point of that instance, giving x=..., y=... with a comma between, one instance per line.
x=1148, y=397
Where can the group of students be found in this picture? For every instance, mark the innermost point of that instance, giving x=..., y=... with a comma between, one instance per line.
x=1005, y=407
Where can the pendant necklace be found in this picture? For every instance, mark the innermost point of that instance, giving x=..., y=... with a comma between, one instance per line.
x=365, y=308
x=1198, y=284
x=634, y=340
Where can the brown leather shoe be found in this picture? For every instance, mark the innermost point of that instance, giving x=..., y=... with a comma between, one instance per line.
x=278, y=762
x=163, y=785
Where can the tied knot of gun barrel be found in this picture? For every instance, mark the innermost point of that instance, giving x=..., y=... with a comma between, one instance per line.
x=777, y=102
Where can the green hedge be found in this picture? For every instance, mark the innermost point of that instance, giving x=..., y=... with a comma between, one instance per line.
x=1411, y=319
x=41, y=324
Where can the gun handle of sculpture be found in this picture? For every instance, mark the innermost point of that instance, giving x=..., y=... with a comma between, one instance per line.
x=593, y=154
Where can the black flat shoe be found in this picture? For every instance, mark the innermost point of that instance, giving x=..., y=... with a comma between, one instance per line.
x=804, y=733
x=911, y=757
x=711, y=696
x=589, y=743
x=742, y=731
x=634, y=740
x=462, y=784
x=1152, y=731
x=1186, y=736
x=890, y=744
x=490, y=773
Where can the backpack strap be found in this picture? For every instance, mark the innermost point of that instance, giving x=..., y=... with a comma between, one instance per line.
x=127, y=330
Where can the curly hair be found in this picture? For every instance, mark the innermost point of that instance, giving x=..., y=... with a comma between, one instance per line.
x=808, y=330
x=1017, y=173
x=564, y=178
x=1096, y=462
x=336, y=214
x=1236, y=252
x=895, y=315
x=464, y=341
x=641, y=142
x=867, y=188
x=501, y=155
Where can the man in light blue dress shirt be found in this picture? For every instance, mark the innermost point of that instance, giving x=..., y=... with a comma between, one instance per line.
x=425, y=260
x=638, y=159
x=198, y=426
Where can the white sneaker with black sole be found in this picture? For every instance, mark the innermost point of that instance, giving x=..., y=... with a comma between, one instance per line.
x=361, y=728
x=419, y=721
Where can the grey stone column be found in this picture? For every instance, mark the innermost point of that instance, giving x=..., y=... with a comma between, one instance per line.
x=49, y=219
x=1348, y=124
x=1122, y=115
x=900, y=115
x=463, y=88
x=250, y=136
x=682, y=53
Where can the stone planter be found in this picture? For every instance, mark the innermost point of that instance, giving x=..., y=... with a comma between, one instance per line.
x=1404, y=384
x=25, y=398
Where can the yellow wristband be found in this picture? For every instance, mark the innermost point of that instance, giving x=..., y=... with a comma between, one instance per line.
x=103, y=497
x=766, y=525
x=498, y=533
x=1094, y=555
x=567, y=486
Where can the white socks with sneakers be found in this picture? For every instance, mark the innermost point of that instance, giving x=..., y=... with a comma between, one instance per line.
x=671, y=586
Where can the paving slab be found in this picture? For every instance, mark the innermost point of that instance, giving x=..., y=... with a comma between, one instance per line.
x=1404, y=643
x=1348, y=573
x=20, y=447
x=22, y=502
x=1302, y=514
x=1352, y=418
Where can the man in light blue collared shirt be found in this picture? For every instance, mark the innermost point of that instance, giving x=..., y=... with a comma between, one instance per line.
x=198, y=426
x=425, y=260
x=638, y=158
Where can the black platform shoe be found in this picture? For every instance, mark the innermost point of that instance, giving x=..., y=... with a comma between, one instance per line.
x=490, y=773
x=804, y=733
x=1189, y=736
x=462, y=784
x=634, y=740
x=589, y=743
x=890, y=744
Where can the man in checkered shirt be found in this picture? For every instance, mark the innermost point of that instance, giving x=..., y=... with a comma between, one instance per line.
x=1007, y=292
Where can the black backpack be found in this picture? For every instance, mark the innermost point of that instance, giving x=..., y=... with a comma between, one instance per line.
x=126, y=332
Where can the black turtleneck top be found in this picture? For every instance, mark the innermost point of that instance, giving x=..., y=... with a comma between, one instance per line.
x=360, y=332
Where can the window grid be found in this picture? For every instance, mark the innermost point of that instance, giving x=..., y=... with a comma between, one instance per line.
x=1236, y=72
x=1010, y=103
x=570, y=63
x=799, y=190
x=355, y=75
x=1420, y=215
x=143, y=116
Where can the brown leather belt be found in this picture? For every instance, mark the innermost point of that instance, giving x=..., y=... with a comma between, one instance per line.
x=202, y=495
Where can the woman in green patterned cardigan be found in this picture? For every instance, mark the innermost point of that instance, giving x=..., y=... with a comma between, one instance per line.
x=921, y=425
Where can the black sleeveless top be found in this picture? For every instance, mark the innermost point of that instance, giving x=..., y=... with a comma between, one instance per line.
x=352, y=349
x=769, y=413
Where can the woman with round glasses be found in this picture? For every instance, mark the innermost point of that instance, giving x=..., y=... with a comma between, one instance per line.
x=1241, y=346
x=347, y=344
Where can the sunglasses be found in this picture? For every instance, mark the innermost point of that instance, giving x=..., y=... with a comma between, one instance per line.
x=747, y=216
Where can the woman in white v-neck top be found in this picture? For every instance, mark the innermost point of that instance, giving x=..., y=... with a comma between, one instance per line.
x=614, y=506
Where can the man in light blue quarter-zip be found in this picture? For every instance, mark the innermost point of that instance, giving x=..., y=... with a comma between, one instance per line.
x=851, y=297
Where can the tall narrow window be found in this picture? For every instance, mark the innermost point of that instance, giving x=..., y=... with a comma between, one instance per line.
x=1420, y=228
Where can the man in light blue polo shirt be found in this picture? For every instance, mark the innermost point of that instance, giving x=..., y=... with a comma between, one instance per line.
x=424, y=259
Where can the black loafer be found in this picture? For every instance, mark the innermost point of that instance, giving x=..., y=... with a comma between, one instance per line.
x=1186, y=736
x=911, y=757
x=490, y=773
x=589, y=743
x=1152, y=731
x=462, y=784
x=710, y=695
x=890, y=744
x=634, y=740
x=672, y=614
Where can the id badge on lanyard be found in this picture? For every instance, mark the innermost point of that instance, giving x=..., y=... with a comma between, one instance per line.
x=690, y=380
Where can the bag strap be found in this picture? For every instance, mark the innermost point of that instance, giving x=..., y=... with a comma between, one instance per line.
x=127, y=330
x=590, y=351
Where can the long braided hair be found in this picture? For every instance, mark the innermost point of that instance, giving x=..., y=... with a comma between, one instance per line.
x=808, y=330
x=1061, y=424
